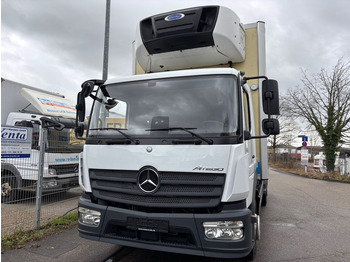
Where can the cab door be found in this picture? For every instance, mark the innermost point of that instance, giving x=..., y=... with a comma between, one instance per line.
x=248, y=126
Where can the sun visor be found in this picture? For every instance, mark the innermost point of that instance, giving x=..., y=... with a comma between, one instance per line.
x=49, y=104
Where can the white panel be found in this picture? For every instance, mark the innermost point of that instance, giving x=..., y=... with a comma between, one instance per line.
x=50, y=105
x=237, y=179
x=182, y=158
x=179, y=158
x=229, y=36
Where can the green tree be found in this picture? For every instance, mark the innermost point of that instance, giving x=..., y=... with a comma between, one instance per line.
x=324, y=101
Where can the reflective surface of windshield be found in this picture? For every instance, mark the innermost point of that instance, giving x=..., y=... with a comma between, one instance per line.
x=206, y=105
x=63, y=141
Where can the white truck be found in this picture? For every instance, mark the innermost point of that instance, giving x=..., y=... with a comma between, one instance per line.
x=24, y=110
x=175, y=157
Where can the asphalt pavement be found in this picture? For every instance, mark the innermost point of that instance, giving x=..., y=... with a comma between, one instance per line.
x=305, y=220
x=65, y=246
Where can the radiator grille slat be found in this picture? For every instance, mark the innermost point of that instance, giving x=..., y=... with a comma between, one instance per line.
x=65, y=168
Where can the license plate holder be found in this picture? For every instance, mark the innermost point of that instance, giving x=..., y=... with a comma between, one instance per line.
x=146, y=224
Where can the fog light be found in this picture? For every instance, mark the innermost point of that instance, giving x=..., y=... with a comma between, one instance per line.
x=89, y=217
x=52, y=183
x=227, y=230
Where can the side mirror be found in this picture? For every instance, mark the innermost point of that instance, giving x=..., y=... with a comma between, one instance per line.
x=48, y=122
x=87, y=87
x=79, y=130
x=80, y=107
x=270, y=97
x=271, y=126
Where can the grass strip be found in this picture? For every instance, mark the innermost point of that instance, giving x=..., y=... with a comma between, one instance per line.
x=19, y=238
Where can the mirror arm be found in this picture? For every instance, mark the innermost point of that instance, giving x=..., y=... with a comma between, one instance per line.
x=96, y=98
x=265, y=136
x=245, y=79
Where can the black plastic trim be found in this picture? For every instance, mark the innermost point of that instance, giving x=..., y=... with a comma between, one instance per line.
x=229, y=140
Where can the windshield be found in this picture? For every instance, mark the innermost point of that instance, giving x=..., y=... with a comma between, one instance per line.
x=205, y=105
x=63, y=141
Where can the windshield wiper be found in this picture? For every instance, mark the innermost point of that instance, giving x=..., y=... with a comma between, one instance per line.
x=209, y=141
x=136, y=142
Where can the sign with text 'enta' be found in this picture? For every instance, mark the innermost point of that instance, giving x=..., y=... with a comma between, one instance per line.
x=16, y=142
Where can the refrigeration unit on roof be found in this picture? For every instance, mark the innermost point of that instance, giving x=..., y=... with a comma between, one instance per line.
x=190, y=38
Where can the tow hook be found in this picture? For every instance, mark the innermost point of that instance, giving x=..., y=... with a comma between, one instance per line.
x=256, y=222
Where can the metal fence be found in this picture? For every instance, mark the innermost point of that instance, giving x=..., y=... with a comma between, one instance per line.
x=315, y=163
x=39, y=174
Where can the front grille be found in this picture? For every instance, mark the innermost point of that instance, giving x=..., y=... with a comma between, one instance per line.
x=177, y=190
x=65, y=168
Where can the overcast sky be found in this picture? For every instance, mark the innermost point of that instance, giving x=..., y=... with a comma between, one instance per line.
x=56, y=45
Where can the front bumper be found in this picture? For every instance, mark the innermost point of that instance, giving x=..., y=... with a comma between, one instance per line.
x=184, y=234
x=51, y=184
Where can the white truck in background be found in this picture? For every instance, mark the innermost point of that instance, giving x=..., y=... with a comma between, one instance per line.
x=25, y=109
x=175, y=157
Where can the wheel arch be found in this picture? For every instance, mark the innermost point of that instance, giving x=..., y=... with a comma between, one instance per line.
x=6, y=167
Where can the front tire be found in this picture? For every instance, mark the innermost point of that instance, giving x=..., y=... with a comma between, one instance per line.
x=264, y=200
x=264, y=196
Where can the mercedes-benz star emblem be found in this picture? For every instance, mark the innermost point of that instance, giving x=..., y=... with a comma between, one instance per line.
x=148, y=180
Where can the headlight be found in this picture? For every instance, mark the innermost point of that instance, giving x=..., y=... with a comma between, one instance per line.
x=227, y=230
x=52, y=172
x=89, y=217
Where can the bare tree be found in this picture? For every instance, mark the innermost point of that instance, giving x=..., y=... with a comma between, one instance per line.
x=287, y=130
x=324, y=101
